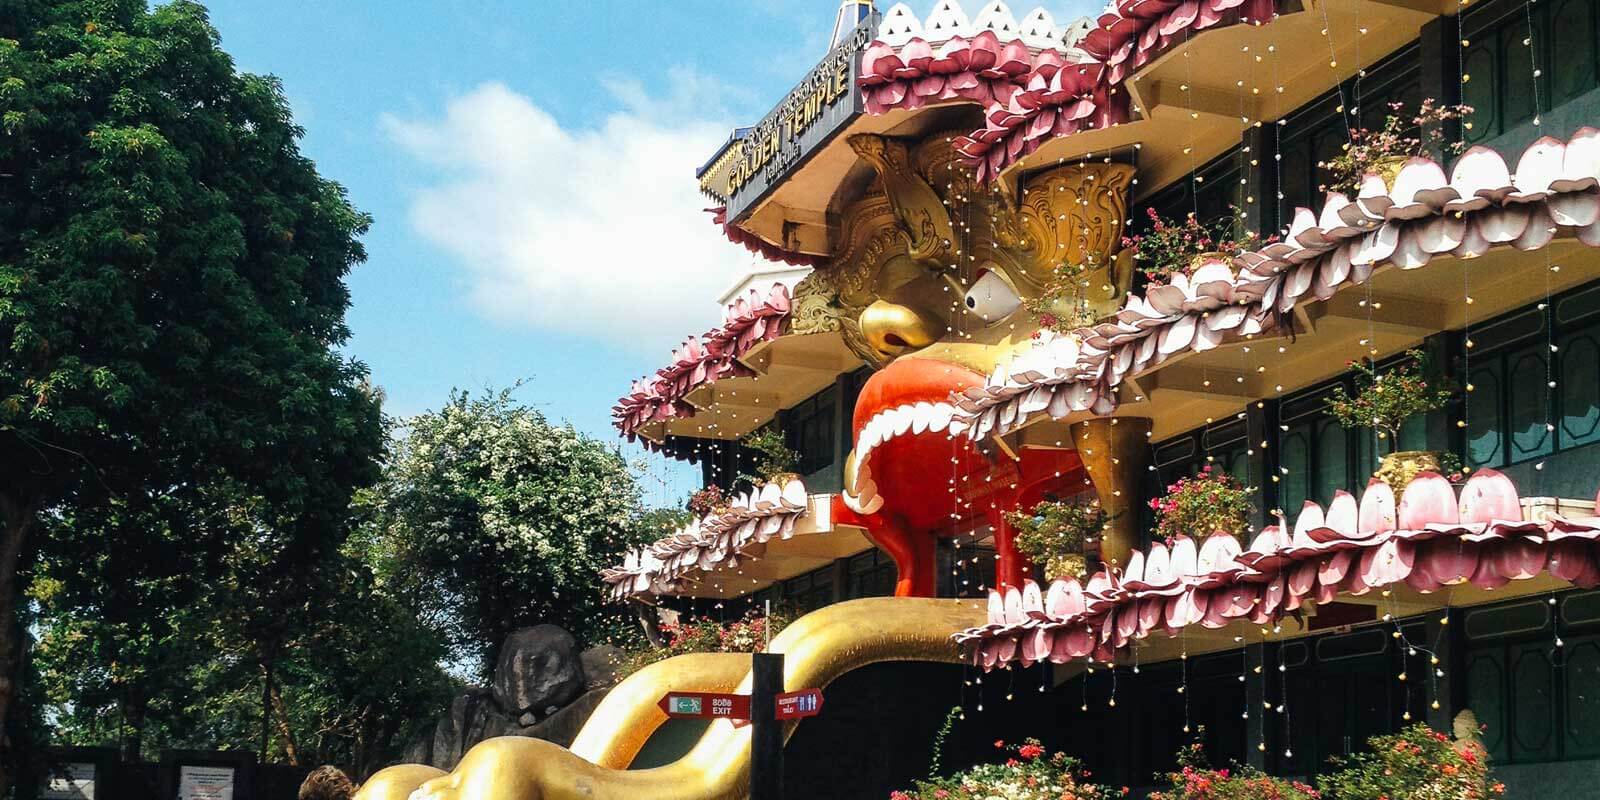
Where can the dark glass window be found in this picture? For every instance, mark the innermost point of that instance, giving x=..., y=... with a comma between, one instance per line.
x=1513, y=414
x=1537, y=702
x=812, y=430
x=1507, y=42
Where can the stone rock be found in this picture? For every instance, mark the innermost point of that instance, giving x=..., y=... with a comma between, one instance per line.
x=562, y=727
x=538, y=668
x=600, y=665
x=420, y=751
x=451, y=731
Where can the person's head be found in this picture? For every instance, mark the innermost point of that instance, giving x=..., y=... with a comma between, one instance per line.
x=327, y=783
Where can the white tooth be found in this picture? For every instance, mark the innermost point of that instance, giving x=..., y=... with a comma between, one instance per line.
x=902, y=420
x=941, y=416
x=921, y=415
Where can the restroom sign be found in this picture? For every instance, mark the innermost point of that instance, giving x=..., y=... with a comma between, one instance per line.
x=706, y=705
x=801, y=704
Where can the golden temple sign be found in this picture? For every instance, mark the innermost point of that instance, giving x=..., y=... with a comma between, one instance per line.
x=824, y=103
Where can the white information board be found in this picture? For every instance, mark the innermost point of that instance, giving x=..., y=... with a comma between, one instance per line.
x=205, y=783
x=73, y=781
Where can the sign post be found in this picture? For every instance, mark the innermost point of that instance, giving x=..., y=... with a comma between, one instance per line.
x=766, y=737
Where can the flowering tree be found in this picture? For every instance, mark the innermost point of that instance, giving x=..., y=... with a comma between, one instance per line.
x=1169, y=246
x=1062, y=304
x=1385, y=400
x=1203, y=504
x=1399, y=138
x=1054, y=529
x=1028, y=773
x=489, y=518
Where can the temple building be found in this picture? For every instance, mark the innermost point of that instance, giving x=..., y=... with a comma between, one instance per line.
x=974, y=300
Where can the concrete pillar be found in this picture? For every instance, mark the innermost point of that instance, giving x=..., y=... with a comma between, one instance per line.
x=1116, y=453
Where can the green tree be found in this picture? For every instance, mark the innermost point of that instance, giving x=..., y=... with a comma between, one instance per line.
x=164, y=641
x=490, y=518
x=172, y=290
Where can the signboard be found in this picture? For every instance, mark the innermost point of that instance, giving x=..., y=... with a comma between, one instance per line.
x=801, y=704
x=205, y=783
x=706, y=705
x=73, y=781
x=824, y=103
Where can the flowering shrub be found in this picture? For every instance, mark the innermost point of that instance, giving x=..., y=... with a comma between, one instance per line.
x=1054, y=529
x=1028, y=773
x=1062, y=305
x=1203, y=504
x=1384, y=401
x=1398, y=138
x=1417, y=763
x=1169, y=247
x=705, y=635
x=1196, y=780
x=707, y=500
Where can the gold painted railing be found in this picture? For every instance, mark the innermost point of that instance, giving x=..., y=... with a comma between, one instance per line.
x=817, y=648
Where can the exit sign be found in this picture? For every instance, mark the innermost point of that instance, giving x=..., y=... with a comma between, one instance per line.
x=706, y=705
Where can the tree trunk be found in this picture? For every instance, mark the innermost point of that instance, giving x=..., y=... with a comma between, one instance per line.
x=650, y=623
x=280, y=714
x=18, y=520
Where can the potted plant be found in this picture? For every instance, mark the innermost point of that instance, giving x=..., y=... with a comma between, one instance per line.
x=708, y=501
x=1063, y=303
x=1055, y=534
x=1203, y=504
x=1170, y=247
x=1028, y=773
x=775, y=462
x=1417, y=763
x=1384, y=401
x=1383, y=151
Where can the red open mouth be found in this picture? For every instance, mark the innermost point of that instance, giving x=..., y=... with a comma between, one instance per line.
x=904, y=409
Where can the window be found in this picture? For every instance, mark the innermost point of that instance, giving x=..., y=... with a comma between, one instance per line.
x=812, y=430
x=872, y=574
x=1502, y=54
x=1513, y=413
x=1536, y=700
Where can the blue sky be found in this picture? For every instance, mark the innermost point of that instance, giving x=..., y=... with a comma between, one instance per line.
x=530, y=168
x=415, y=105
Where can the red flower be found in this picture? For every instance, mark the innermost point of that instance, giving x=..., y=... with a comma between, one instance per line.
x=1030, y=751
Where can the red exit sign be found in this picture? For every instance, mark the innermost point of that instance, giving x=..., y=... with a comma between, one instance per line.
x=706, y=705
x=801, y=704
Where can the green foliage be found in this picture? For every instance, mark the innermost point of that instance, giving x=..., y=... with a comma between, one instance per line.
x=1028, y=773
x=489, y=518
x=1196, y=780
x=172, y=304
x=1385, y=400
x=1056, y=528
x=1203, y=504
x=168, y=637
x=748, y=634
x=1417, y=763
x=774, y=457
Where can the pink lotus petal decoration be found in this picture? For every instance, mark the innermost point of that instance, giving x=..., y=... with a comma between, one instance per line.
x=1486, y=543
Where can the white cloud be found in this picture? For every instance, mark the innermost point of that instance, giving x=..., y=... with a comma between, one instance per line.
x=596, y=231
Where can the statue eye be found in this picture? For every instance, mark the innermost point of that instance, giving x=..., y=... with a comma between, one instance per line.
x=991, y=298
